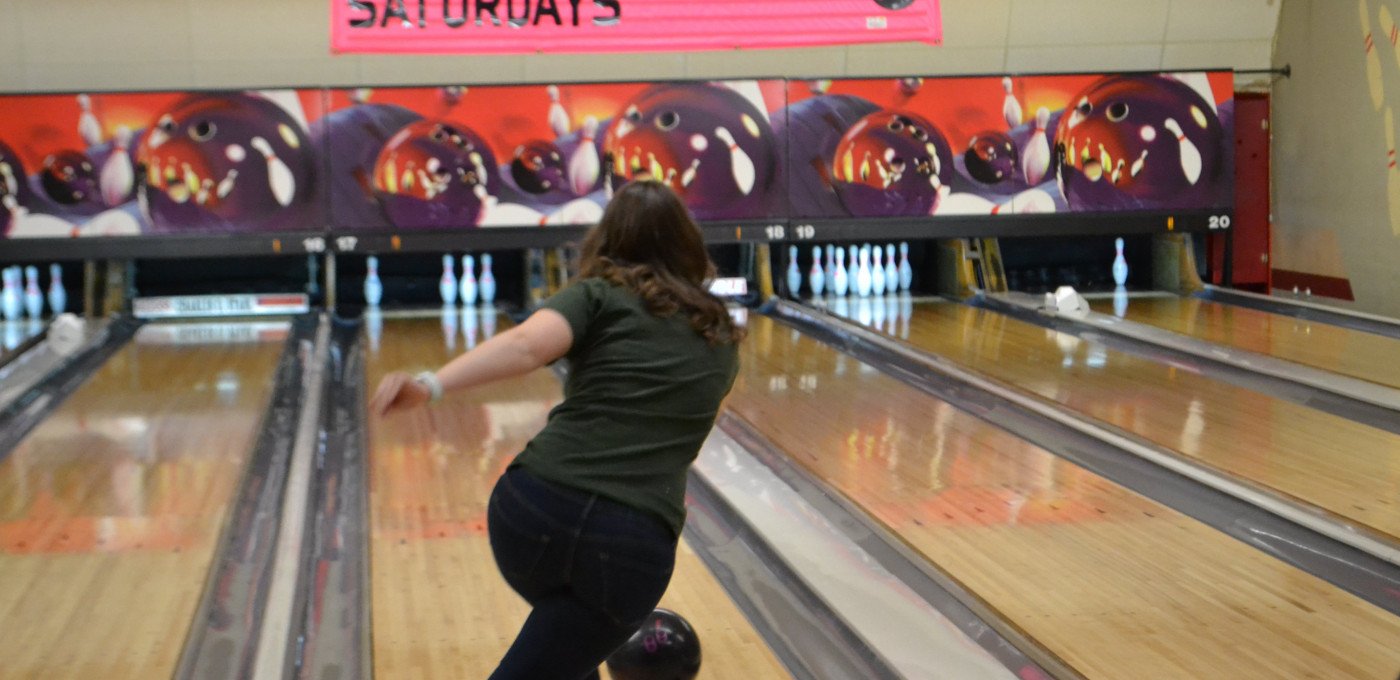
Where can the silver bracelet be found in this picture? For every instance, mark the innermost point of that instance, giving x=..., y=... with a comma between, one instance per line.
x=430, y=380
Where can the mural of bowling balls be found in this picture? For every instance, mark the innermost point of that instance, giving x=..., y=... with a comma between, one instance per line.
x=537, y=167
x=226, y=162
x=665, y=647
x=69, y=178
x=434, y=174
x=891, y=163
x=991, y=157
x=709, y=143
x=1140, y=141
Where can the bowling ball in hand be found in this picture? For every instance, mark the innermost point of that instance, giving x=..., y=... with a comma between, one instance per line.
x=664, y=648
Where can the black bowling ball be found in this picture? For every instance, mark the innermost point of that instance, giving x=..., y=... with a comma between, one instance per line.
x=664, y=648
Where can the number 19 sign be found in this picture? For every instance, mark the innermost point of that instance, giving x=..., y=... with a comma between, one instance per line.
x=573, y=26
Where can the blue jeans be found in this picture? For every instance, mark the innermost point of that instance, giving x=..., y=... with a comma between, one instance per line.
x=591, y=569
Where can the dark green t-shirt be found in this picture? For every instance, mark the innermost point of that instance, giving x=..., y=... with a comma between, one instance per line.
x=641, y=396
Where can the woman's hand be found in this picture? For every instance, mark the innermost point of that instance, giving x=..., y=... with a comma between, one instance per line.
x=398, y=391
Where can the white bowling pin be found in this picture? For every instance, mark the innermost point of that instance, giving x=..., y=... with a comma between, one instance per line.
x=374, y=288
x=863, y=282
x=840, y=281
x=877, y=273
x=794, y=274
x=117, y=177
x=580, y=211
x=1010, y=108
x=1190, y=156
x=583, y=163
x=1389, y=28
x=1033, y=201
x=58, y=295
x=1035, y=161
x=496, y=214
x=830, y=268
x=374, y=327
x=487, y=281
x=1392, y=172
x=816, y=278
x=88, y=127
x=279, y=176
x=1120, y=264
x=14, y=335
x=447, y=284
x=966, y=204
x=11, y=302
x=906, y=272
x=33, y=296
x=468, y=286
x=891, y=270
x=1373, y=60
x=739, y=162
x=558, y=117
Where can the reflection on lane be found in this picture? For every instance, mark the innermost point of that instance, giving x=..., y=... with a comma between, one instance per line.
x=1337, y=464
x=1115, y=584
x=111, y=508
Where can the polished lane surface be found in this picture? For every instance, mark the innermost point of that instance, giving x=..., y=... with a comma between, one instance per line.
x=440, y=608
x=111, y=509
x=1113, y=583
x=1361, y=355
x=1339, y=465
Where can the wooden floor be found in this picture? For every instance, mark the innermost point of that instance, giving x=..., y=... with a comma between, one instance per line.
x=111, y=508
x=1115, y=584
x=1366, y=356
x=1346, y=468
x=440, y=608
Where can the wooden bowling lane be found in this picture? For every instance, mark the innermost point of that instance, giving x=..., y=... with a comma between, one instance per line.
x=1339, y=465
x=1353, y=353
x=1116, y=585
x=440, y=608
x=111, y=509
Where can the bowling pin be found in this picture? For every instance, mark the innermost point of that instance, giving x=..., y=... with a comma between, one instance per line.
x=891, y=271
x=1190, y=156
x=840, y=281
x=58, y=295
x=496, y=214
x=374, y=327
x=583, y=163
x=447, y=284
x=906, y=272
x=740, y=165
x=877, y=273
x=1390, y=29
x=1120, y=264
x=279, y=176
x=794, y=275
x=10, y=302
x=1373, y=60
x=468, y=285
x=1120, y=301
x=1035, y=162
x=576, y=212
x=1010, y=108
x=863, y=282
x=88, y=127
x=117, y=177
x=1392, y=172
x=374, y=289
x=33, y=296
x=558, y=117
x=488, y=280
x=816, y=278
x=830, y=268
x=853, y=274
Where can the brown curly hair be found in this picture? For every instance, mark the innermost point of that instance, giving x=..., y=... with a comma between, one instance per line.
x=647, y=243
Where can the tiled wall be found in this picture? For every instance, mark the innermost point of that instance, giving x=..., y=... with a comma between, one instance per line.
x=171, y=44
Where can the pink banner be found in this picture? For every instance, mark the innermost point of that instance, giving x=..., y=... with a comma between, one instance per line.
x=572, y=26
